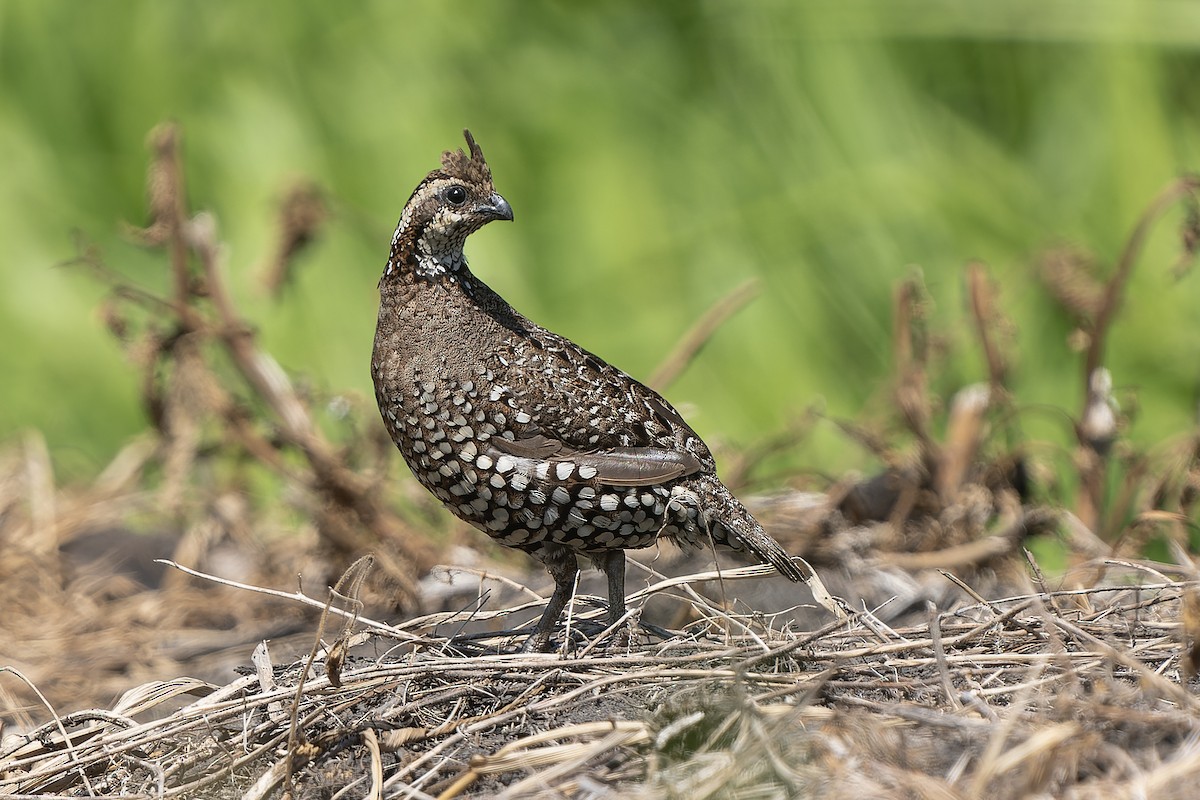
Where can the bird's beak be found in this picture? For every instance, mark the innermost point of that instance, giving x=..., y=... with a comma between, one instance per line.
x=496, y=208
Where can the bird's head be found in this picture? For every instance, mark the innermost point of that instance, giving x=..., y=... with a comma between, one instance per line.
x=448, y=206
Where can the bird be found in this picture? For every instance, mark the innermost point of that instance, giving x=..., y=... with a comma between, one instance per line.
x=524, y=434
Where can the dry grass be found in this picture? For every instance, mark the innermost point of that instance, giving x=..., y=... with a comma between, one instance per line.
x=1066, y=694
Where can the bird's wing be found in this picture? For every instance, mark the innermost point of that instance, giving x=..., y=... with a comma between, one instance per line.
x=572, y=407
x=615, y=466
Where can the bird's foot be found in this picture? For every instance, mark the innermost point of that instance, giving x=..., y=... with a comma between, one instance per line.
x=583, y=635
x=539, y=642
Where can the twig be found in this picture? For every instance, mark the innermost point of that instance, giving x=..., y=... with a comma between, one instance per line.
x=982, y=301
x=302, y=213
x=1114, y=289
x=372, y=743
x=294, y=741
x=911, y=355
x=298, y=597
x=939, y=654
x=58, y=722
x=700, y=334
x=169, y=205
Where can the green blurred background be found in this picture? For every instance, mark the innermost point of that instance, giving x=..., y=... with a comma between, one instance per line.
x=656, y=155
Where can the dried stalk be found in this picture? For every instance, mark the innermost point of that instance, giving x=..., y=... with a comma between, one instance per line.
x=700, y=333
x=327, y=473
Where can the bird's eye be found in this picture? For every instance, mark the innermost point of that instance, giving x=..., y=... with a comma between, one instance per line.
x=456, y=195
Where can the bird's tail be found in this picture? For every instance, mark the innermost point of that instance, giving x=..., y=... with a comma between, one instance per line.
x=733, y=526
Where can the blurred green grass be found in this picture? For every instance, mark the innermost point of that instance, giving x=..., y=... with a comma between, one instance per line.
x=656, y=155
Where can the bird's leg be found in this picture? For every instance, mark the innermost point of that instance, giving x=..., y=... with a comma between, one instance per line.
x=614, y=568
x=563, y=567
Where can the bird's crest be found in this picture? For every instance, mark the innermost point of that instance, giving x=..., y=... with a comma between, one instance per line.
x=472, y=168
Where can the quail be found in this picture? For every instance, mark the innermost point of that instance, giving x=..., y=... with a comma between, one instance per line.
x=522, y=433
